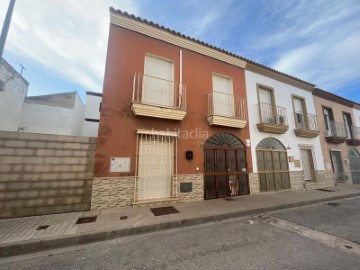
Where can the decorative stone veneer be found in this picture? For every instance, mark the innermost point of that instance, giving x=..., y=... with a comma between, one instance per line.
x=113, y=192
x=197, y=193
x=323, y=179
x=297, y=180
x=254, y=183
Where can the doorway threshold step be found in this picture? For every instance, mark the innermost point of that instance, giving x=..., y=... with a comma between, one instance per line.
x=155, y=202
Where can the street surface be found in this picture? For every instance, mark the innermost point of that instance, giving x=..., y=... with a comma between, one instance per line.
x=322, y=236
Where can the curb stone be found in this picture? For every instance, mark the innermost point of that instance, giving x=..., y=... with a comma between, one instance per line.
x=36, y=245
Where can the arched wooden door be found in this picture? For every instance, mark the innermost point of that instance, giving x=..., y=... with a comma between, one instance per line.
x=225, y=167
x=354, y=160
x=272, y=165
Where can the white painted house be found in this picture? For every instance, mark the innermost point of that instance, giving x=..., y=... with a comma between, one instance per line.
x=13, y=90
x=53, y=114
x=90, y=125
x=285, y=146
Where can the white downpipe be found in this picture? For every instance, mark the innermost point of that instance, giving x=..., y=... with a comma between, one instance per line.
x=180, y=66
x=180, y=79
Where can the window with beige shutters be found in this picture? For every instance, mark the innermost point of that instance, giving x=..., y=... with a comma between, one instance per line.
x=155, y=166
x=223, y=96
x=158, y=82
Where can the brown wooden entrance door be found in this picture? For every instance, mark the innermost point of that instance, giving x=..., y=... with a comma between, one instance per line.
x=225, y=167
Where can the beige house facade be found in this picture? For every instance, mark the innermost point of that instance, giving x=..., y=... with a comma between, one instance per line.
x=339, y=136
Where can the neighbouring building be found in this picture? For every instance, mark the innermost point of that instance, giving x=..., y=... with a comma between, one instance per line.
x=60, y=114
x=90, y=125
x=182, y=120
x=339, y=126
x=13, y=90
x=173, y=119
x=285, y=145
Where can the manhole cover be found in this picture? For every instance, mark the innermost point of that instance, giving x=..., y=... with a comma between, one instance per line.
x=84, y=220
x=229, y=199
x=161, y=211
x=333, y=204
x=325, y=190
x=42, y=227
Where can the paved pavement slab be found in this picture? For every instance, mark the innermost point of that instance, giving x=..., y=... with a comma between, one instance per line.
x=63, y=230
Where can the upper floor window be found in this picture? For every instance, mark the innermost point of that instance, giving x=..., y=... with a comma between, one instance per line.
x=223, y=97
x=348, y=125
x=158, y=82
x=267, y=110
x=299, y=112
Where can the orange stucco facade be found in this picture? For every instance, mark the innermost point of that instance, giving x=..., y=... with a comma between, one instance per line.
x=118, y=125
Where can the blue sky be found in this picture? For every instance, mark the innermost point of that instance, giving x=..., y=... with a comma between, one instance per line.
x=62, y=43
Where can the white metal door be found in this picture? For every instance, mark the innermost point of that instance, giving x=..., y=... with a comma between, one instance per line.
x=308, y=164
x=158, y=84
x=155, y=166
x=223, y=98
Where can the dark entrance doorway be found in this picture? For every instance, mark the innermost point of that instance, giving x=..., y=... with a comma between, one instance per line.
x=225, y=167
x=354, y=159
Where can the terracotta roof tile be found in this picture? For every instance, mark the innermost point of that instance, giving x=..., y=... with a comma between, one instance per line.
x=322, y=93
x=131, y=16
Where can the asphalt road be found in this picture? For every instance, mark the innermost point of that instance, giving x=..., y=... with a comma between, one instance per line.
x=243, y=243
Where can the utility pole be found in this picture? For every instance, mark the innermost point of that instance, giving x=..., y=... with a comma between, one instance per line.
x=6, y=26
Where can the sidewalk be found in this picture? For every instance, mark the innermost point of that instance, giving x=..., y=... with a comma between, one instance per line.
x=20, y=235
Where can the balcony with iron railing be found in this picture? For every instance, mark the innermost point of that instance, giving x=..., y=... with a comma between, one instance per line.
x=226, y=110
x=272, y=118
x=354, y=137
x=335, y=132
x=155, y=97
x=306, y=125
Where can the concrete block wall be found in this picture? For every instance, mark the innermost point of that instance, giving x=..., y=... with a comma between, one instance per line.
x=45, y=174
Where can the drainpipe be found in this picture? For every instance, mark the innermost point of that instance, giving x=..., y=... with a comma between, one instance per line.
x=180, y=79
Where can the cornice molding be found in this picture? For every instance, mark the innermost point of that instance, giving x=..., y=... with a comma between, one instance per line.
x=154, y=32
x=334, y=98
x=279, y=77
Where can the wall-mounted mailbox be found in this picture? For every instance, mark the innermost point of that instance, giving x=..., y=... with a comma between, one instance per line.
x=189, y=155
x=120, y=164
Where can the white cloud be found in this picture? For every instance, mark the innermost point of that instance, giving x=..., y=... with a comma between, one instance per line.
x=322, y=49
x=68, y=37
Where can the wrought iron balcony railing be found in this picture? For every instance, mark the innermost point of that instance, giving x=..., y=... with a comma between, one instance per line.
x=226, y=105
x=271, y=114
x=335, y=129
x=355, y=133
x=158, y=92
x=305, y=121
